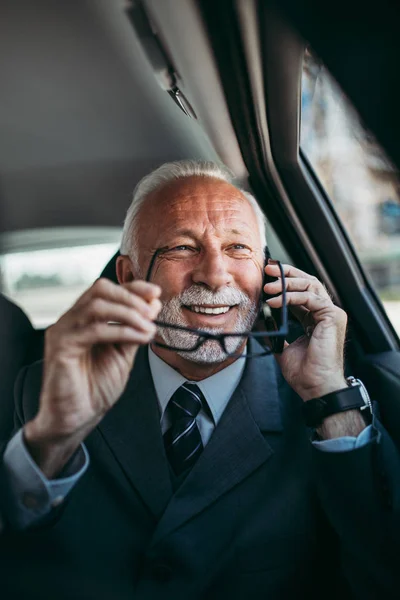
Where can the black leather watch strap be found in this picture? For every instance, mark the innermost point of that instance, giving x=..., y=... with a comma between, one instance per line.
x=317, y=409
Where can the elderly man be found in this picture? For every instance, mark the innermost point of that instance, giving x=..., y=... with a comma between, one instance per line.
x=204, y=479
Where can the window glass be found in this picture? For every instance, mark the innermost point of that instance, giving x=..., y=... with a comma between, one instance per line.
x=45, y=271
x=358, y=177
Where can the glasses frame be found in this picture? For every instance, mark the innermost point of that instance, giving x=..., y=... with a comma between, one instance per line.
x=204, y=336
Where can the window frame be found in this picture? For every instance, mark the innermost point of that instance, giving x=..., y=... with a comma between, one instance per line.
x=352, y=287
x=260, y=62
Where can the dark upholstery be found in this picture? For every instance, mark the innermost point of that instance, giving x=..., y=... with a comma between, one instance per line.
x=109, y=271
x=17, y=348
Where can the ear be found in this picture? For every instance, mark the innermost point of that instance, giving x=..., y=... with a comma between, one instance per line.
x=124, y=268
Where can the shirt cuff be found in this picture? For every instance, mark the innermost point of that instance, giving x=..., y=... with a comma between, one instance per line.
x=30, y=495
x=346, y=443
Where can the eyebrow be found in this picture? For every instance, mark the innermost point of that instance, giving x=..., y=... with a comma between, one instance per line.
x=189, y=233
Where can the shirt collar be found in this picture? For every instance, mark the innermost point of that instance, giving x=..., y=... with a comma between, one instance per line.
x=217, y=389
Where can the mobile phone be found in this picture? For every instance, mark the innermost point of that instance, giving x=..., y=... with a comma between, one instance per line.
x=271, y=316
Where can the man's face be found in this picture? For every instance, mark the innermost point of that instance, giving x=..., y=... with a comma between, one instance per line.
x=211, y=263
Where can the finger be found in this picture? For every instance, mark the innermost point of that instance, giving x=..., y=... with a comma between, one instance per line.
x=123, y=294
x=105, y=333
x=155, y=306
x=101, y=310
x=117, y=295
x=309, y=300
x=146, y=290
x=103, y=288
x=321, y=308
x=296, y=284
x=289, y=271
x=98, y=309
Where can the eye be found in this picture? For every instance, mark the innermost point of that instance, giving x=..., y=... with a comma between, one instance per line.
x=240, y=248
x=182, y=248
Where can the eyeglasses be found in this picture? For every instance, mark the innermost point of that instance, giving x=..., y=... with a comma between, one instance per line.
x=272, y=339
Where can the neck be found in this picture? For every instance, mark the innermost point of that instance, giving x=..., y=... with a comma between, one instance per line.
x=191, y=370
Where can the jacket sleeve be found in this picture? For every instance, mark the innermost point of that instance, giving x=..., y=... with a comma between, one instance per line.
x=359, y=491
x=28, y=496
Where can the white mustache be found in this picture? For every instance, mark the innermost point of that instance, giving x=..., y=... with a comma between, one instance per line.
x=197, y=295
x=172, y=313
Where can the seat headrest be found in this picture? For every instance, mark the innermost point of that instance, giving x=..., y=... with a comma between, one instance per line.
x=110, y=271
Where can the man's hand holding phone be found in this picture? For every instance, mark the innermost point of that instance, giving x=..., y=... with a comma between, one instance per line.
x=312, y=364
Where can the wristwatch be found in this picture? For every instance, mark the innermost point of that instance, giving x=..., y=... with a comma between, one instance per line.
x=355, y=396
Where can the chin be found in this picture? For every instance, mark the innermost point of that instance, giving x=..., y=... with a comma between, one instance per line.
x=201, y=360
x=205, y=355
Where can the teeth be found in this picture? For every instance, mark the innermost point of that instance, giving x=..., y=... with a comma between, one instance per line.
x=211, y=311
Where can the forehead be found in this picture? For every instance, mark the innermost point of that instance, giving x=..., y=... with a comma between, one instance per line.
x=197, y=200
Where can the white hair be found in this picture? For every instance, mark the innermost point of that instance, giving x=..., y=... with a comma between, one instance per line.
x=170, y=172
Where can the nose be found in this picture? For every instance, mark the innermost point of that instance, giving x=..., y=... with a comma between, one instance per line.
x=212, y=271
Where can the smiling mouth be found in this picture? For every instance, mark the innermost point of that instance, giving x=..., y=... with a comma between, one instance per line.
x=209, y=310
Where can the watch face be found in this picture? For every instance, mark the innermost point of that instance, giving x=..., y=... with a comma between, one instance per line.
x=353, y=382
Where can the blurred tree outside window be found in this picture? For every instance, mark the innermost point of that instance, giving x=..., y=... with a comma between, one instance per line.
x=361, y=182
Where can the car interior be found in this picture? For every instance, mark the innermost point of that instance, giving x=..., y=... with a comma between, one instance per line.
x=95, y=94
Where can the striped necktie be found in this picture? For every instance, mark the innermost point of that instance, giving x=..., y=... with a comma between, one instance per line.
x=182, y=441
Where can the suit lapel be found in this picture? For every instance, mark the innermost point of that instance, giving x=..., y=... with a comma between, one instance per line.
x=132, y=432
x=236, y=448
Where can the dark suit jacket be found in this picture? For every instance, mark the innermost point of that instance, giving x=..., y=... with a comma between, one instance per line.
x=262, y=514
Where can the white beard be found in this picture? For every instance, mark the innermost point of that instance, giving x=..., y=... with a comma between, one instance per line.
x=210, y=351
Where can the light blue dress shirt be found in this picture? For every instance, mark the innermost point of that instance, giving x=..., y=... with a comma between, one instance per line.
x=216, y=389
x=32, y=496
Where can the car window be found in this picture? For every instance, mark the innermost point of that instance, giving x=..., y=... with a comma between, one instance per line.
x=45, y=271
x=358, y=177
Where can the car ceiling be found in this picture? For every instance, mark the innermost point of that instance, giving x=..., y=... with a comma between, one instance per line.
x=82, y=116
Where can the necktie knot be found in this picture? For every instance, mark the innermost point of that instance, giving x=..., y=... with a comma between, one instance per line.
x=182, y=441
x=186, y=402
